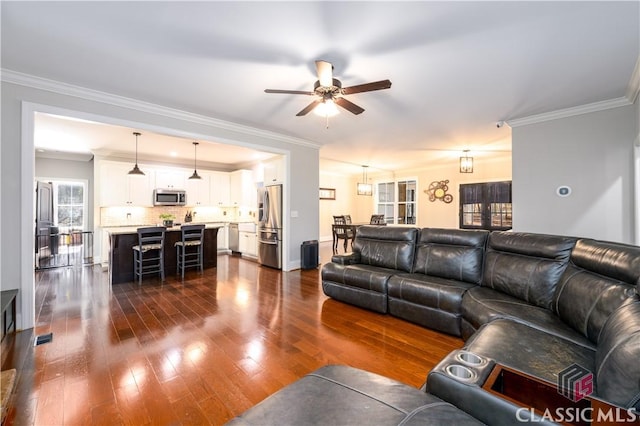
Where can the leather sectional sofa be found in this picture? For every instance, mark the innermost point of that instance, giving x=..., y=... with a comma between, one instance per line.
x=537, y=305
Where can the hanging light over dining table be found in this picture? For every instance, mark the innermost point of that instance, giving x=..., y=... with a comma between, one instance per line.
x=364, y=187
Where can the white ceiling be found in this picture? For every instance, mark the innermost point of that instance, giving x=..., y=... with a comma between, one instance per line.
x=456, y=67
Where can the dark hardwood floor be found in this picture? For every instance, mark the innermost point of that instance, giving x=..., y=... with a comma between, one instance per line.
x=195, y=352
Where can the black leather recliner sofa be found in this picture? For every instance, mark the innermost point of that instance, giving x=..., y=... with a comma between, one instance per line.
x=533, y=303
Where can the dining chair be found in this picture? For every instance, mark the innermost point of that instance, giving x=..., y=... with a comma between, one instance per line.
x=341, y=232
x=148, y=254
x=377, y=219
x=189, y=248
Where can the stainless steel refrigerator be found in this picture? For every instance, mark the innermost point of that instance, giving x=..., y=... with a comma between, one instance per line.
x=270, y=226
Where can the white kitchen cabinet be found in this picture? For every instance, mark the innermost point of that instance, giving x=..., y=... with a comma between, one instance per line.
x=118, y=188
x=273, y=171
x=248, y=243
x=243, y=190
x=219, y=189
x=198, y=191
x=168, y=178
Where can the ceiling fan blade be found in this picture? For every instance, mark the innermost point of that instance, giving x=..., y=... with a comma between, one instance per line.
x=349, y=106
x=325, y=73
x=367, y=87
x=289, y=92
x=308, y=108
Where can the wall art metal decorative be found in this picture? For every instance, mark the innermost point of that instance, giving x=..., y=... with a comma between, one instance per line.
x=438, y=191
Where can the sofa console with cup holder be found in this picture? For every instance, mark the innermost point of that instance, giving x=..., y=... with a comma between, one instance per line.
x=551, y=326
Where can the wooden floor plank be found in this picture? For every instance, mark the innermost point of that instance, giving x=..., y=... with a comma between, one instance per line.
x=195, y=352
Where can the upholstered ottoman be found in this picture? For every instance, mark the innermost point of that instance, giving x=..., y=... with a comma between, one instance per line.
x=340, y=395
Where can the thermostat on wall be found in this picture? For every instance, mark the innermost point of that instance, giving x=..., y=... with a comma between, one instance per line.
x=563, y=191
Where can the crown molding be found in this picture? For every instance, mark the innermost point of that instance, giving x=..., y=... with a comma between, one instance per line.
x=634, y=83
x=569, y=112
x=22, y=79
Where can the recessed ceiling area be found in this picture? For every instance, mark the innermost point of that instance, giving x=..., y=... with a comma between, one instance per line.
x=64, y=137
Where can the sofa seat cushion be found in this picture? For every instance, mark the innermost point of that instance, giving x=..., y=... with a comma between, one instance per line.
x=528, y=349
x=432, y=302
x=430, y=291
x=340, y=395
x=481, y=305
x=360, y=285
x=372, y=278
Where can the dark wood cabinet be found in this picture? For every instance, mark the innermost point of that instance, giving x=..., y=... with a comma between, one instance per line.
x=121, y=253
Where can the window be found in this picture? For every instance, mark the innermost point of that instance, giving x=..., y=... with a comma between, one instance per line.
x=397, y=201
x=69, y=205
x=486, y=206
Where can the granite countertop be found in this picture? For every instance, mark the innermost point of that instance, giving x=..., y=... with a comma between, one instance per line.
x=133, y=229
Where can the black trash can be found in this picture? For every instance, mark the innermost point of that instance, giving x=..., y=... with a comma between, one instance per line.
x=54, y=239
x=309, y=254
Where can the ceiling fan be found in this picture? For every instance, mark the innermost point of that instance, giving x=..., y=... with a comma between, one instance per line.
x=330, y=90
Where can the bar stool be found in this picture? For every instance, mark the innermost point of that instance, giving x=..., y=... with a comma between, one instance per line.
x=148, y=255
x=189, y=248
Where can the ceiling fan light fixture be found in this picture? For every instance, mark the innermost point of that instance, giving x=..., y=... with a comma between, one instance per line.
x=327, y=108
x=136, y=170
x=195, y=174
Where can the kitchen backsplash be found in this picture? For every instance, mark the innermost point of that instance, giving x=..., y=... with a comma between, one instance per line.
x=136, y=216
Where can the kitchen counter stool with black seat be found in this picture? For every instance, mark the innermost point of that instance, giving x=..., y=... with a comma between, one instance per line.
x=189, y=248
x=148, y=255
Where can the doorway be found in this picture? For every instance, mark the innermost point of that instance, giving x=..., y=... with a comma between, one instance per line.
x=62, y=237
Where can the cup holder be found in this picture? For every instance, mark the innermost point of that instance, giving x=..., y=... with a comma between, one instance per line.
x=469, y=358
x=461, y=373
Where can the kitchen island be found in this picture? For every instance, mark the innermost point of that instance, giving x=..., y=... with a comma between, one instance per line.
x=121, y=242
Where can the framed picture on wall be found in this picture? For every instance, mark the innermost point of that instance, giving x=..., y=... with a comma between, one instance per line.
x=327, y=193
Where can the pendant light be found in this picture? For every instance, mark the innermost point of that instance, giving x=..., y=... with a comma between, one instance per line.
x=136, y=170
x=466, y=163
x=364, y=187
x=195, y=174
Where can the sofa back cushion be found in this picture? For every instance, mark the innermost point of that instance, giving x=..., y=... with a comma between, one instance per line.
x=618, y=357
x=386, y=246
x=526, y=266
x=454, y=254
x=599, y=278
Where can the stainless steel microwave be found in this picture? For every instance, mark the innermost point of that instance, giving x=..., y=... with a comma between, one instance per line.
x=169, y=197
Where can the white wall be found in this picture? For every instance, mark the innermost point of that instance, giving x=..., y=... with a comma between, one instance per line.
x=343, y=204
x=593, y=154
x=488, y=167
x=17, y=170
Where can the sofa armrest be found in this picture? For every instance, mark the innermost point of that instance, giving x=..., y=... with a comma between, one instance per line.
x=346, y=259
